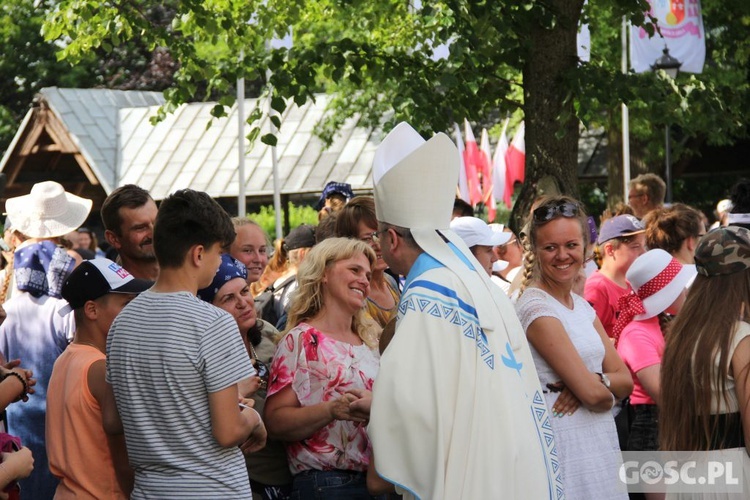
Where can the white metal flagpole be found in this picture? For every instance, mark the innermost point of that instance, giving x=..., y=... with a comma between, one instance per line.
x=241, y=199
x=274, y=160
x=625, y=117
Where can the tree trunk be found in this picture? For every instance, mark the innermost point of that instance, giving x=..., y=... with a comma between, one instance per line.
x=551, y=126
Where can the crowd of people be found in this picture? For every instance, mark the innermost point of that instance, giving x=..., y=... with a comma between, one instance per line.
x=400, y=347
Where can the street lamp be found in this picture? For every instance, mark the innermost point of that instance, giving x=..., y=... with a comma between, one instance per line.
x=671, y=67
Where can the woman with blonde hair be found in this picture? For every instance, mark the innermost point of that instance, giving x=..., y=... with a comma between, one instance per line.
x=706, y=397
x=575, y=359
x=326, y=361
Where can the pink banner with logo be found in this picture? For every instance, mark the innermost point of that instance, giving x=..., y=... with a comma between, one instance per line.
x=681, y=25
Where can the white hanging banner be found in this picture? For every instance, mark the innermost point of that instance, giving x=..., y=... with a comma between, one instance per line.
x=681, y=25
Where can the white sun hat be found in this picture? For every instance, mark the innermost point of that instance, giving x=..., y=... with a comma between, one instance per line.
x=475, y=231
x=48, y=211
x=658, y=279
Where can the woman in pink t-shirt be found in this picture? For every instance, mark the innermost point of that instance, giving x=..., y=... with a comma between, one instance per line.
x=659, y=290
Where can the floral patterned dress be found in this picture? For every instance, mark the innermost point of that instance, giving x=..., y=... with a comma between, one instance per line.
x=318, y=369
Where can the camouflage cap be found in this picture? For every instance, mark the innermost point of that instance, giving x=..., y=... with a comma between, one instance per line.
x=725, y=250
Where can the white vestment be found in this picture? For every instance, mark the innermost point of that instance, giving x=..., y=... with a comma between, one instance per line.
x=457, y=407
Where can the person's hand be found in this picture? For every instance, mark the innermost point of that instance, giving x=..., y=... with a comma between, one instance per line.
x=250, y=403
x=248, y=386
x=3, y=314
x=9, y=366
x=361, y=406
x=18, y=464
x=25, y=375
x=257, y=439
x=340, y=409
x=566, y=404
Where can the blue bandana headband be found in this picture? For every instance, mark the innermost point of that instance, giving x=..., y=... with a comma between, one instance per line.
x=41, y=268
x=229, y=269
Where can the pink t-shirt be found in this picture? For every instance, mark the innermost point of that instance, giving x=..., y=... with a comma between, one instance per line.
x=319, y=368
x=603, y=293
x=641, y=345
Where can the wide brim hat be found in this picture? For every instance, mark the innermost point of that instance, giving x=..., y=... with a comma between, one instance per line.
x=648, y=267
x=47, y=211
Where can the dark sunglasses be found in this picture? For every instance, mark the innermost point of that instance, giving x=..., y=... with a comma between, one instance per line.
x=549, y=212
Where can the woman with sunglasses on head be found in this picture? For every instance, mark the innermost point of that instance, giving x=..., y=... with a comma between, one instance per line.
x=268, y=468
x=327, y=360
x=575, y=360
x=357, y=220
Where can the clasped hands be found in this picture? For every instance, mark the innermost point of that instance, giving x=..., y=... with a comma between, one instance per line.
x=354, y=406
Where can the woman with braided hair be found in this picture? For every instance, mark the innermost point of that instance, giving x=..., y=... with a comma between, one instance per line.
x=575, y=360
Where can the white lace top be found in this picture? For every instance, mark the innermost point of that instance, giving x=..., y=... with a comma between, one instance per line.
x=587, y=441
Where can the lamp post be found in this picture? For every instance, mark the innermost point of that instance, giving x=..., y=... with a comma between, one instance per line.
x=671, y=67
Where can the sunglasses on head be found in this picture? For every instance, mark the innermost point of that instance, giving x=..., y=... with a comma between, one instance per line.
x=549, y=212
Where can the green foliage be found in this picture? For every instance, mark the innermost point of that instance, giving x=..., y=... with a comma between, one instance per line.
x=298, y=215
x=708, y=108
x=374, y=57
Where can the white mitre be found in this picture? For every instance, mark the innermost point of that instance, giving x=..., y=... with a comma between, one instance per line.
x=415, y=187
x=415, y=180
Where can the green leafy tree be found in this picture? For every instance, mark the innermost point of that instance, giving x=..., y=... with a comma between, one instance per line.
x=375, y=57
x=29, y=62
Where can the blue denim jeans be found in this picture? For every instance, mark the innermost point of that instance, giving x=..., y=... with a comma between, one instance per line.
x=330, y=485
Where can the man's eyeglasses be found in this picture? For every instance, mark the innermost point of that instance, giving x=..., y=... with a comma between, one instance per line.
x=375, y=237
x=549, y=212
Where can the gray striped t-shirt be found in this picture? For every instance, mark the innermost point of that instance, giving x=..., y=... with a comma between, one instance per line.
x=165, y=353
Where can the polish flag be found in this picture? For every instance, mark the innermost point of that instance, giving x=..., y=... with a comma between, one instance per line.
x=463, y=185
x=498, y=167
x=472, y=161
x=515, y=162
x=487, y=194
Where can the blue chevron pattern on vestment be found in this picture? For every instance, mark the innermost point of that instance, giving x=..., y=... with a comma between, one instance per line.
x=455, y=312
x=541, y=420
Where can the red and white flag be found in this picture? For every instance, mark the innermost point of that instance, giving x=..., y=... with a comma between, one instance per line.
x=463, y=185
x=488, y=197
x=515, y=163
x=498, y=166
x=472, y=161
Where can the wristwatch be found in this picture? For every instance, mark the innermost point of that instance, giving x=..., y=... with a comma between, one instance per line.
x=605, y=379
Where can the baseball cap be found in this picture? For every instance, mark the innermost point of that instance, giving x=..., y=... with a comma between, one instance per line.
x=620, y=226
x=342, y=188
x=97, y=277
x=724, y=250
x=475, y=231
x=300, y=237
